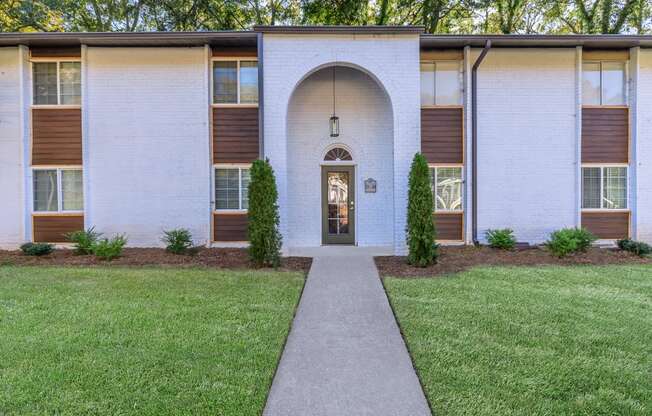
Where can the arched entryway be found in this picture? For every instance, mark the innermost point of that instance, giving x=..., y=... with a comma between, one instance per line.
x=318, y=162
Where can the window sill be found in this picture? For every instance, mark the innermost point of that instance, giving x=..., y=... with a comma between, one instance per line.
x=55, y=106
x=58, y=213
x=604, y=106
x=233, y=105
x=604, y=210
x=230, y=211
x=449, y=212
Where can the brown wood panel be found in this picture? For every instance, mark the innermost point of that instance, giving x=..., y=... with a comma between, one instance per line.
x=605, y=135
x=235, y=51
x=449, y=226
x=70, y=52
x=230, y=227
x=607, y=225
x=56, y=136
x=441, y=54
x=442, y=137
x=52, y=228
x=605, y=54
x=235, y=134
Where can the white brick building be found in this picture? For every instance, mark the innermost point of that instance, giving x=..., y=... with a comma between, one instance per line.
x=138, y=133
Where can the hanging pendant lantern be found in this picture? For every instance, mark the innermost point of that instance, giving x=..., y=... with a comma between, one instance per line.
x=334, y=122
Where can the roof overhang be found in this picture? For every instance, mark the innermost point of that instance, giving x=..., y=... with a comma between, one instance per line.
x=537, y=41
x=344, y=30
x=169, y=39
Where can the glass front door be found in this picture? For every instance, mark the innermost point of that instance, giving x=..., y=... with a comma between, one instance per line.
x=338, y=219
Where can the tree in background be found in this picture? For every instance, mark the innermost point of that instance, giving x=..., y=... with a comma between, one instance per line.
x=264, y=236
x=420, y=224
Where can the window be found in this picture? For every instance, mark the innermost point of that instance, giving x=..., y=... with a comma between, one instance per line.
x=603, y=83
x=58, y=190
x=57, y=83
x=231, y=188
x=604, y=187
x=441, y=83
x=447, y=188
x=235, y=82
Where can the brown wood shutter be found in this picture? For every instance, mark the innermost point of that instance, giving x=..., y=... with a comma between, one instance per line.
x=70, y=52
x=56, y=136
x=442, y=135
x=607, y=225
x=605, y=135
x=449, y=226
x=230, y=227
x=52, y=228
x=235, y=134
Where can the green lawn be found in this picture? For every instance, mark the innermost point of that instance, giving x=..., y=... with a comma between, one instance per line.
x=531, y=341
x=141, y=341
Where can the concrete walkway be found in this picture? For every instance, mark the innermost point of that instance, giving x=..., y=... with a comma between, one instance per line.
x=345, y=354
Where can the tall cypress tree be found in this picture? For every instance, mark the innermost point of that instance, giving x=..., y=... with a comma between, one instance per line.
x=264, y=236
x=420, y=224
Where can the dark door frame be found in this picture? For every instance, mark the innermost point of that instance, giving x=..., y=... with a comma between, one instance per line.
x=344, y=239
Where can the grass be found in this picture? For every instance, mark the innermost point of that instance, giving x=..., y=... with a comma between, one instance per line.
x=141, y=341
x=531, y=341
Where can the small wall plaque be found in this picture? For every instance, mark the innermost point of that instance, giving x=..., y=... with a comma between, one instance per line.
x=370, y=186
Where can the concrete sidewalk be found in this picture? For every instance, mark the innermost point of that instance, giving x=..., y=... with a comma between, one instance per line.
x=345, y=354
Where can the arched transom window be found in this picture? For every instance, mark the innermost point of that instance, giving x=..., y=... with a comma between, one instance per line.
x=337, y=154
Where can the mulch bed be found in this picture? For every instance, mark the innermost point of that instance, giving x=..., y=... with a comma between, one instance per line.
x=457, y=259
x=223, y=258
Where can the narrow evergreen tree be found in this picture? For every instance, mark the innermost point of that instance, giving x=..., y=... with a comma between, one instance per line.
x=264, y=236
x=420, y=224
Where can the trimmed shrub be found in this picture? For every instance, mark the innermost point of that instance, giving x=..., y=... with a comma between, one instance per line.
x=37, y=249
x=178, y=241
x=569, y=241
x=106, y=249
x=420, y=223
x=264, y=236
x=636, y=247
x=84, y=240
x=502, y=238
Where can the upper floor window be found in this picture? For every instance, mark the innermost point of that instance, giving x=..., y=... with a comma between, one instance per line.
x=441, y=83
x=58, y=190
x=57, y=83
x=604, y=187
x=235, y=82
x=604, y=83
x=447, y=187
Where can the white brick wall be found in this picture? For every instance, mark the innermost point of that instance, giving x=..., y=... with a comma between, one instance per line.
x=366, y=129
x=526, y=141
x=643, y=162
x=392, y=60
x=148, y=142
x=12, y=207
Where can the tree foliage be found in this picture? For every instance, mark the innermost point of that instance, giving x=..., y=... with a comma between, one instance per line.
x=437, y=16
x=263, y=232
x=420, y=225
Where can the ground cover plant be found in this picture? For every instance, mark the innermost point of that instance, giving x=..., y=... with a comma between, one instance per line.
x=36, y=249
x=109, y=249
x=84, y=240
x=178, y=241
x=141, y=341
x=636, y=247
x=569, y=241
x=531, y=341
x=501, y=238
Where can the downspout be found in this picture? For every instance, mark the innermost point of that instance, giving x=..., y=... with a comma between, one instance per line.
x=474, y=140
x=261, y=95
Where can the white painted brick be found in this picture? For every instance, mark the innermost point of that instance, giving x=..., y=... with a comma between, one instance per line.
x=148, y=138
x=643, y=162
x=12, y=205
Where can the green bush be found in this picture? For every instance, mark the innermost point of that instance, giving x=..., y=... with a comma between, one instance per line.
x=84, y=240
x=420, y=224
x=264, y=236
x=37, y=249
x=502, y=238
x=106, y=249
x=569, y=241
x=178, y=241
x=636, y=247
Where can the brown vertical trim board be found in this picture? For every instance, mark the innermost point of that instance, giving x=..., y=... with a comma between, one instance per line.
x=449, y=226
x=235, y=51
x=442, y=54
x=605, y=54
x=230, y=227
x=56, y=136
x=69, y=52
x=605, y=135
x=442, y=134
x=235, y=134
x=607, y=225
x=52, y=228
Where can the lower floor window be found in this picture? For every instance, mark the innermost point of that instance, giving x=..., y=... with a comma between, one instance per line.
x=447, y=187
x=604, y=187
x=58, y=190
x=231, y=188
